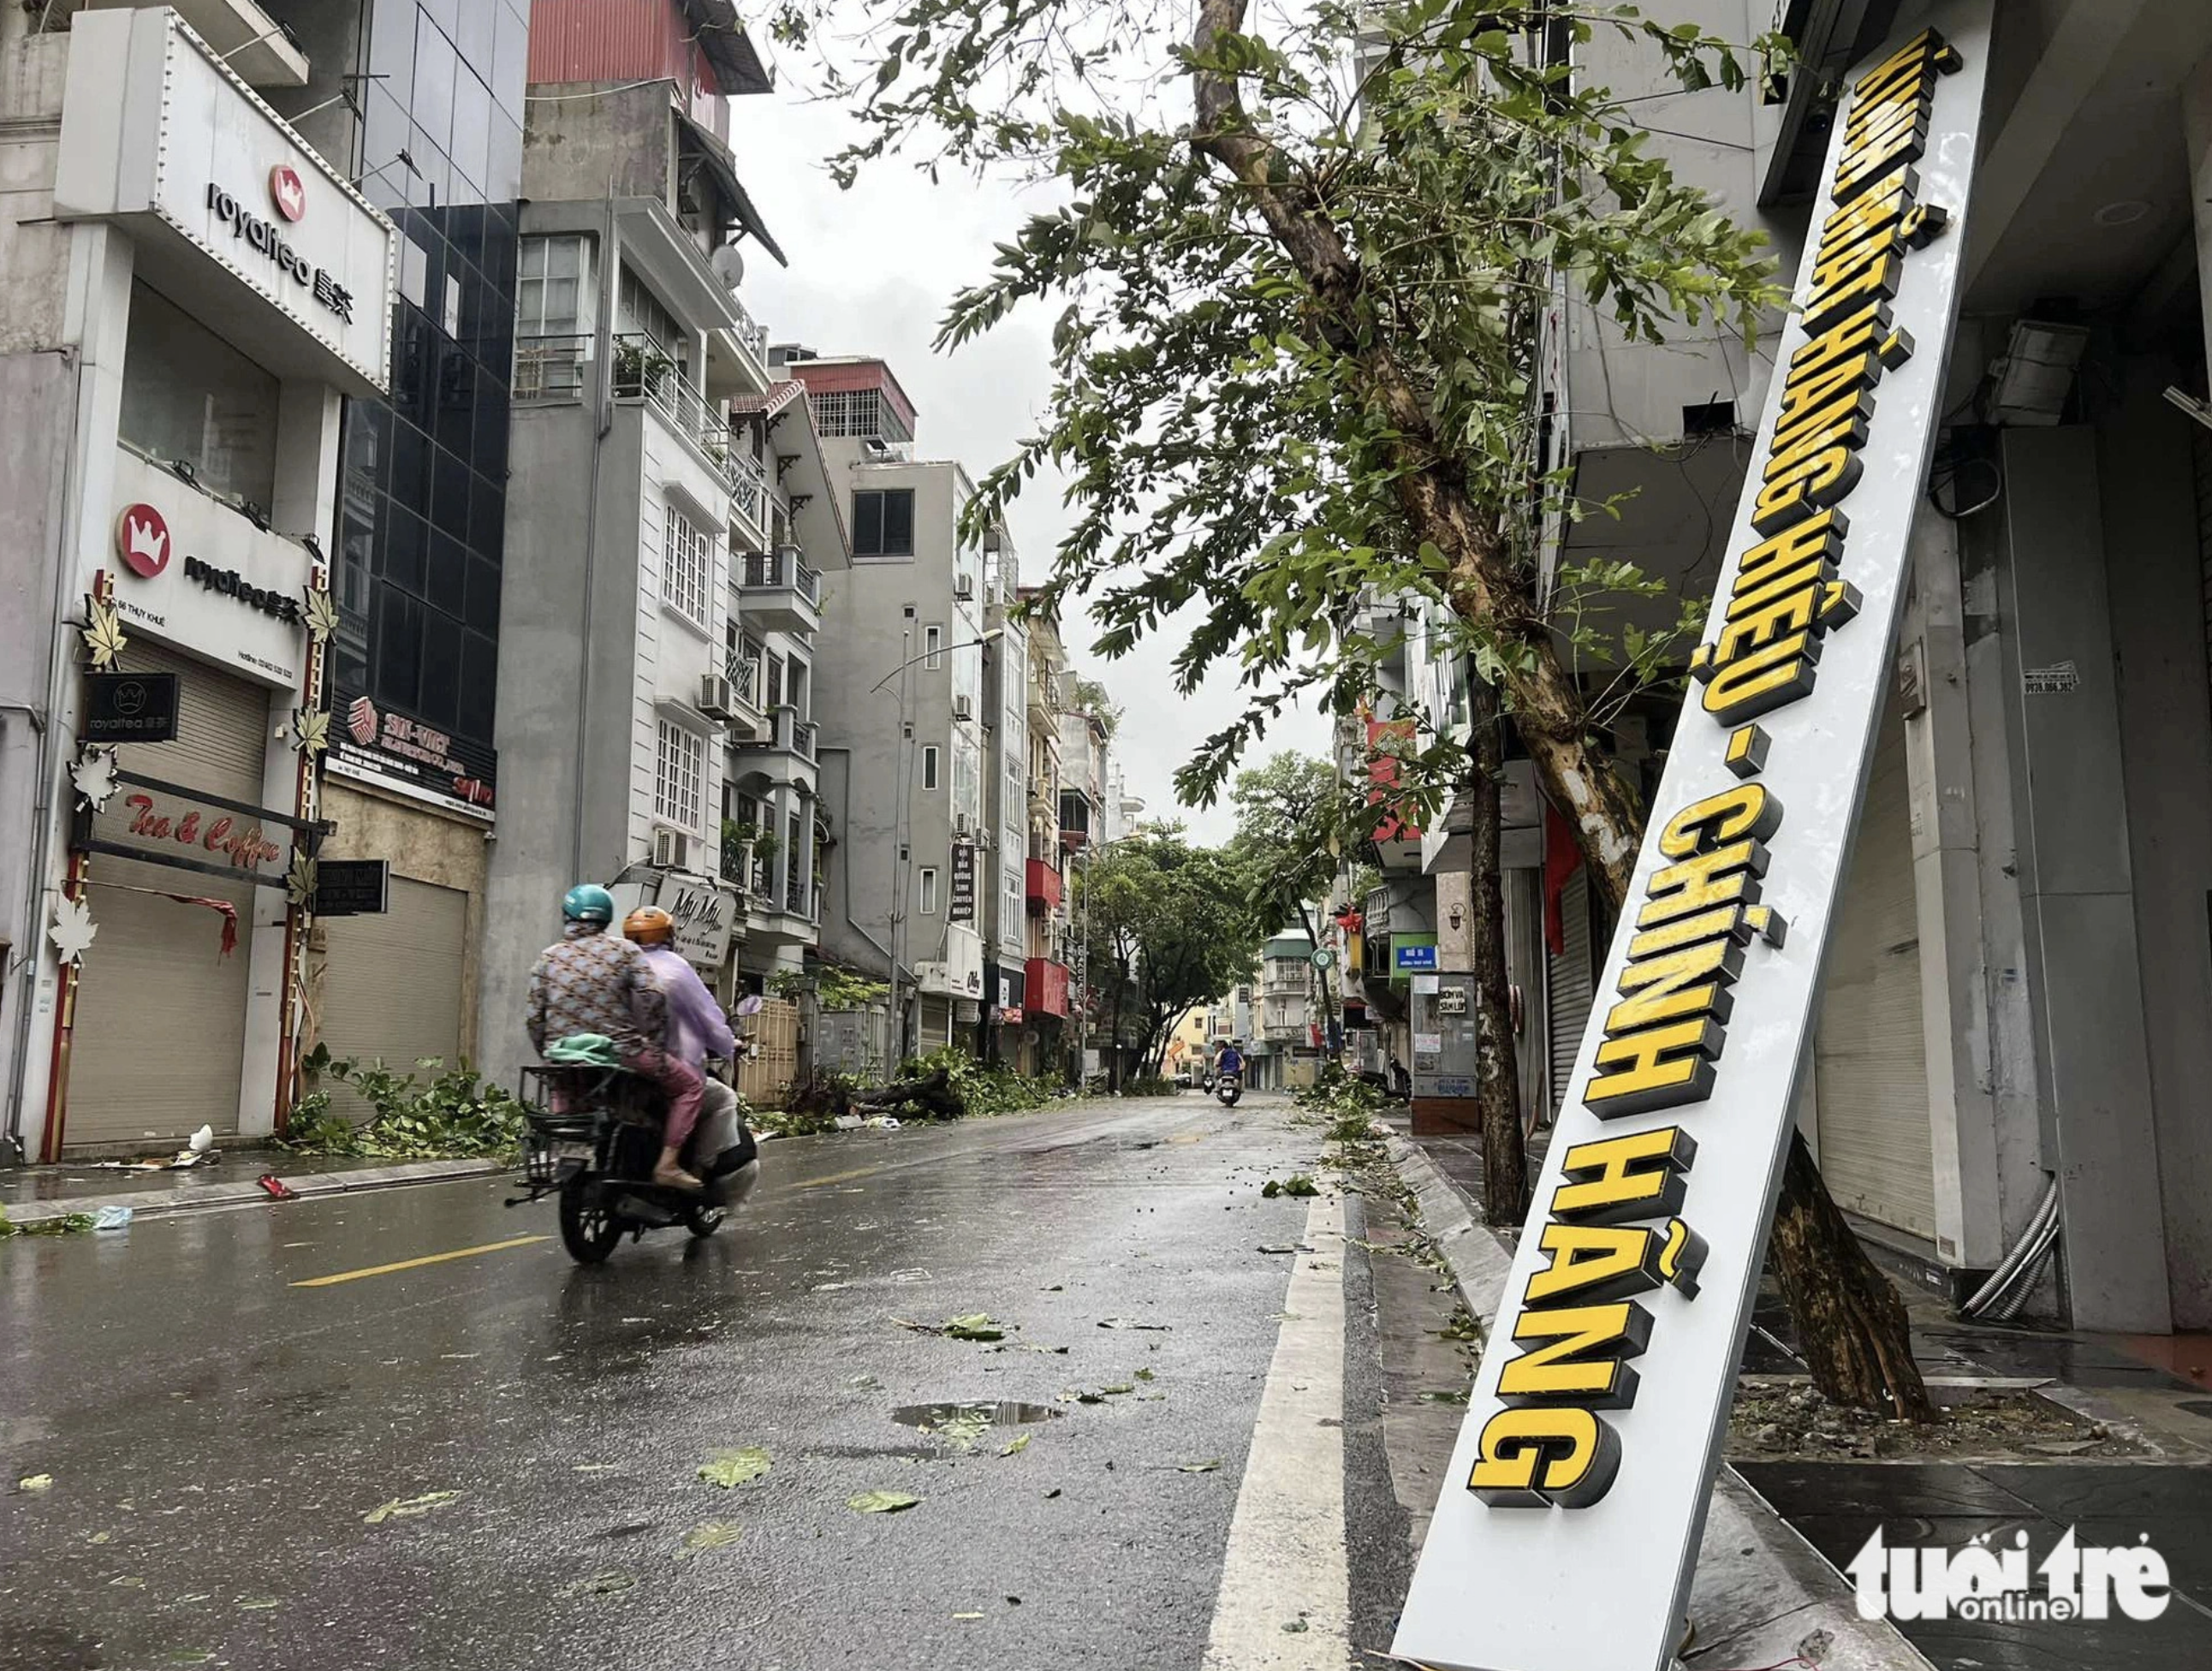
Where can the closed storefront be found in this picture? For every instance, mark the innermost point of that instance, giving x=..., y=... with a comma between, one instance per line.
x=393, y=990
x=1572, y=987
x=161, y=1007
x=1870, y=1068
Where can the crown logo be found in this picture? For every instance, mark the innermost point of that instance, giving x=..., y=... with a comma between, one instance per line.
x=290, y=192
x=143, y=541
x=361, y=720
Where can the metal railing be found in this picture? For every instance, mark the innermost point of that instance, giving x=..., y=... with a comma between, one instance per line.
x=1376, y=909
x=743, y=673
x=646, y=371
x=788, y=733
x=750, y=331
x=549, y=368
x=748, y=480
x=798, y=897
x=782, y=567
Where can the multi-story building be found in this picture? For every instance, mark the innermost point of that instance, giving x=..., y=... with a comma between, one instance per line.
x=2011, y=1025
x=422, y=105
x=194, y=291
x=650, y=538
x=902, y=686
x=1006, y=778
x=1048, y=931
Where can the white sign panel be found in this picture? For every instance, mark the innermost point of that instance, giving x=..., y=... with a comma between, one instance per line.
x=705, y=913
x=157, y=132
x=196, y=575
x=1568, y=1526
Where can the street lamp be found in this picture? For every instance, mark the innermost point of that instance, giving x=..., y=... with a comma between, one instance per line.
x=902, y=858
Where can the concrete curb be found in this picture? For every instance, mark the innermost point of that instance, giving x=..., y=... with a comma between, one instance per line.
x=1761, y=1594
x=204, y=1197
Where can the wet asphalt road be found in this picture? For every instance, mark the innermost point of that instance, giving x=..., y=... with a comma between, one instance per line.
x=217, y=1437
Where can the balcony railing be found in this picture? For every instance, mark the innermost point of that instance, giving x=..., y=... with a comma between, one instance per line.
x=743, y=673
x=748, y=481
x=646, y=371
x=787, y=733
x=798, y=897
x=752, y=334
x=548, y=368
x=775, y=570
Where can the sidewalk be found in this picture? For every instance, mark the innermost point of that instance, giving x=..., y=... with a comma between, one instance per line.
x=35, y=1194
x=2151, y=1391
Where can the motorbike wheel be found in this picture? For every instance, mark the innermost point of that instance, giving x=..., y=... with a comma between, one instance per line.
x=703, y=1222
x=589, y=1229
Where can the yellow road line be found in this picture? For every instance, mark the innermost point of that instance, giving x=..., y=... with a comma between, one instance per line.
x=427, y=1259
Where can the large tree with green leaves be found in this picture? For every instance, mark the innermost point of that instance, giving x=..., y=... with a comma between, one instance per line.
x=1302, y=269
x=1167, y=929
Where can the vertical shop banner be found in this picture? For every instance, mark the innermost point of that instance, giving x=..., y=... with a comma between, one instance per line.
x=1568, y=1526
x=961, y=906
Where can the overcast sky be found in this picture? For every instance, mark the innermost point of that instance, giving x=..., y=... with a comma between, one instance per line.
x=871, y=272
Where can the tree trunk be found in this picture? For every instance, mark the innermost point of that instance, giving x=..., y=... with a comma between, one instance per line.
x=1489, y=586
x=1497, y=1084
x=1850, y=1319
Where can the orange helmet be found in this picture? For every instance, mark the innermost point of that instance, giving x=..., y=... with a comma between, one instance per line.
x=649, y=926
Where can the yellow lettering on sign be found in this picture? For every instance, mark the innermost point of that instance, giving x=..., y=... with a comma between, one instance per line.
x=1676, y=986
x=1771, y=676
x=1702, y=881
x=1719, y=819
x=1592, y=1262
x=1577, y=1352
x=1661, y=1067
x=1615, y=1180
x=1535, y=1458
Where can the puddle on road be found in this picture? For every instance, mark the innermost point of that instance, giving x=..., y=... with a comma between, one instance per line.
x=999, y=1412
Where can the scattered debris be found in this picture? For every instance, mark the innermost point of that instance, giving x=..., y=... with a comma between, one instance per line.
x=112, y=1217
x=881, y=1503
x=276, y=1188
x=1207, y=1466
x=1298, y=1185
x=1019, y=1442
x=1790, y=1419
x=967, y=1615
x=975, y=1326
x=728, y=1468
x=406, y=1508
x=35, y=1482
x=1131, y=1322
x=707, y=1535
x=1436, y=1396
x=600, y=1583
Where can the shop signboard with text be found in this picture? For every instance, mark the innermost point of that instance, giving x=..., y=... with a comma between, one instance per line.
x=1570, y=1520
x=169, y=824
x=372, y=743
x=191, y=571
x=705, y=913
x=158, y=133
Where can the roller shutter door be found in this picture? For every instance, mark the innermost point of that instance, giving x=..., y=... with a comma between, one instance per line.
x=392, y=989
x=1869, y=1064
x=1573, y=986
x=160, y=1039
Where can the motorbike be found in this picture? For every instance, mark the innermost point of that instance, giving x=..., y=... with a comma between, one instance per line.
x=1228, y=1087
x=590, y=1137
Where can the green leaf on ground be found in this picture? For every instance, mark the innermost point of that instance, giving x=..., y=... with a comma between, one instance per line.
x=1144, y=1375
x=1294, y=1625
x=1118, y=1388
x=975, y=1326
x=600, y=1583
x=259, y=1604
x=727, y=1469
x=1019, y=1442
x=881, y=1503
x=967, y=1615
x=35, y=1482
x=964, y=1428
x=709, y=1535
x=1434, y=1396
x=406, y=1508
x=1207, y=1466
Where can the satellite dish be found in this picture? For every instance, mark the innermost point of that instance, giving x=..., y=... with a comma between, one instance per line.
x=729, y=266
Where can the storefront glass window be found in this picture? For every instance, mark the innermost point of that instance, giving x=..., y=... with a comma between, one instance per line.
x=190, y=396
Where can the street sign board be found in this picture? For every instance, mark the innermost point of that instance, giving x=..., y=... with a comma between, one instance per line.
x=1569, y=1523
x=352, y=887
x=1323, y=957
x=960, y=901
x=130, y=708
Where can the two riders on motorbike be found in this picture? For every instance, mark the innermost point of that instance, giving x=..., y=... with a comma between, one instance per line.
x=639, y=995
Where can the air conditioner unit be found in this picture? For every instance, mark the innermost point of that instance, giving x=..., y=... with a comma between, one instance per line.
x=960, y=823
x=672, y=849
x=964, y=586
x=962, y=709
x=717, y=699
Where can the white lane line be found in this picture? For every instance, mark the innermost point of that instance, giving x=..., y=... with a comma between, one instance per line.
x=1286, y=1556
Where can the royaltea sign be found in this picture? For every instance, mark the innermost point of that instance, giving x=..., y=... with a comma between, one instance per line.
x=1569, y=1521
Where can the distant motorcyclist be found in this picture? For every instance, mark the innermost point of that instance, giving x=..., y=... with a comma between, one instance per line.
x=697, y=1029
x=1231, y=1060
x=591, y=981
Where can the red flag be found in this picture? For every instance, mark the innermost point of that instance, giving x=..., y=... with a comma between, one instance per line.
x=1562, y=857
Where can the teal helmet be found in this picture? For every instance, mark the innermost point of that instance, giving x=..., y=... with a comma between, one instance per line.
x=588, y=903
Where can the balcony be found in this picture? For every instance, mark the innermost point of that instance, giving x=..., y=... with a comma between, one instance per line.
x=737, y=355
x=1044, y=885
x=744, y=674
x=780, y=750
x=645, y=372
x=778, y=592
x=1044, y=987
x=239, y=34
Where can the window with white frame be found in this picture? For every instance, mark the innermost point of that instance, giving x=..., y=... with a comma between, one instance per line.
x=926, y=890
x=933, y=648
x=687, y=567
x=553, y=292
x=929, y=766
x=680, y=776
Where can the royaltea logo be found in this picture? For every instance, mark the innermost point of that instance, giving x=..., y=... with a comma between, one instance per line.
x=2080, y=1581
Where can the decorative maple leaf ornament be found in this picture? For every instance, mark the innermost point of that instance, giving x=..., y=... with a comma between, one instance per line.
x=73, y=931
x=93, y=778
